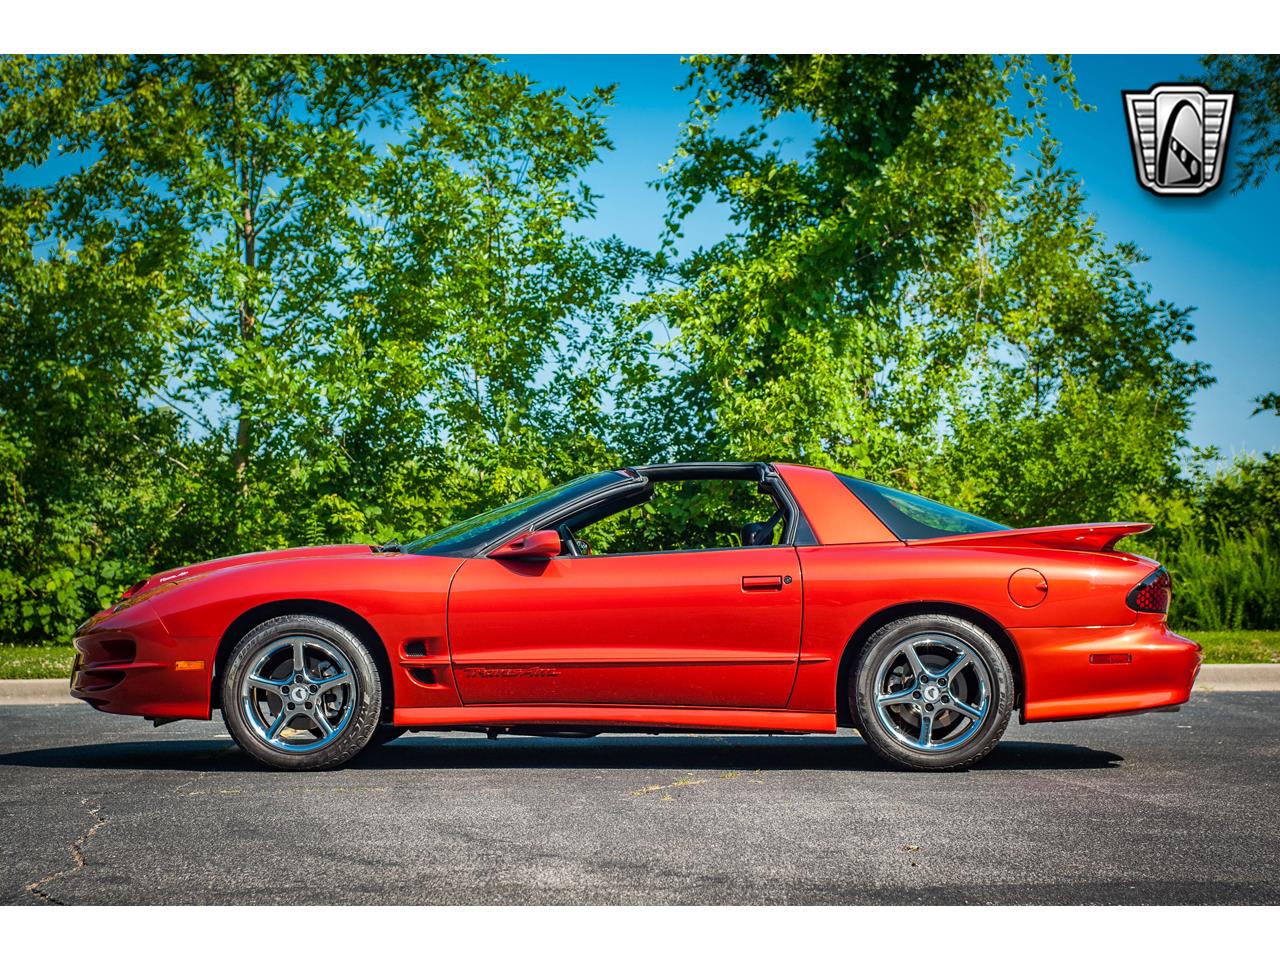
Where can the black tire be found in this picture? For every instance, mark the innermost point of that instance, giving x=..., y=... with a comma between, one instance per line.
x=338, y=659
x=386, y=733
x=980, y=681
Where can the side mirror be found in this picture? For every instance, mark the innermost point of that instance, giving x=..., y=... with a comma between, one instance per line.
x=538, y=545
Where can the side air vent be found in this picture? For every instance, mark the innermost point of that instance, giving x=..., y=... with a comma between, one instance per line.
x=424, y=675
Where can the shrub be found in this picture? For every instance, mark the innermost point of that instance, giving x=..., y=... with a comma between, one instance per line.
x=1232, y=584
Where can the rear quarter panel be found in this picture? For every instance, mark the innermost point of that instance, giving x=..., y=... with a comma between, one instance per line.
x=847, y=585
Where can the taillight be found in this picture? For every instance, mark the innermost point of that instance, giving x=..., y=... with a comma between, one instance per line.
x=1152, y=594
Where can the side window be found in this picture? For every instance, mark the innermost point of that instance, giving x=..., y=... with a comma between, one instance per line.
x=688, y=515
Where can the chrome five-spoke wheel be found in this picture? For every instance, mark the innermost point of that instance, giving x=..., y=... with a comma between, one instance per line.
x=931, y=692
x=300, y=692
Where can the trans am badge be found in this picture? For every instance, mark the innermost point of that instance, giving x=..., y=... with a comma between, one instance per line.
x=1179, y=135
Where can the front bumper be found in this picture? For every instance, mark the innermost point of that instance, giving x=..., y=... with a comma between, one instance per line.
x=1074, y=673
x=128, y=663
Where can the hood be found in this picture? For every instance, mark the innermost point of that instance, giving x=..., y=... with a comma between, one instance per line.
x=1090, y=537
x=179, y=574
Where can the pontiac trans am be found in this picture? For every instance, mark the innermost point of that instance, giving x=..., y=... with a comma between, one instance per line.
x=828, y=602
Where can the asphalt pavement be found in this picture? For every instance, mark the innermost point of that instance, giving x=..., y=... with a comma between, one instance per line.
x=1165, y=808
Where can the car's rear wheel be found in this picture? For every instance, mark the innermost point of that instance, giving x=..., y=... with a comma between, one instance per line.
x=932, y=692
x=301, y=693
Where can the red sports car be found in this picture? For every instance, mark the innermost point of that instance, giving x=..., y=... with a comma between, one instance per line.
x=827, y=601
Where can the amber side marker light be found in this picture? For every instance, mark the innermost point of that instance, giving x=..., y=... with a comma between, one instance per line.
x=188, y=664
x=1111, y=658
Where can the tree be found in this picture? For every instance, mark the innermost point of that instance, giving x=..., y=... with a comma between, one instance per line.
x=1077, y=405
x=348, y=289
x=89, y=472
x=1255, y=80
x=242, y=180
x=915, y=286
x=1255, y=138
x=511, y=322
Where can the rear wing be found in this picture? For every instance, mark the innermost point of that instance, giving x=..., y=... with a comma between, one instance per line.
x=1092, y=537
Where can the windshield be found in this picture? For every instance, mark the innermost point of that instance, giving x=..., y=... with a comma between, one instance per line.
x=471, y=534
x=909, y=517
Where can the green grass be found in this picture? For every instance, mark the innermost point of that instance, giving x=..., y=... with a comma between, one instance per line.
x=35, y=663
x=1237, y=646
x=1220, y=646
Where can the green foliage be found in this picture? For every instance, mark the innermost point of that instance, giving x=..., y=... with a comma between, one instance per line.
x=89, y=472
x=1242, y=497
x=1232, y=585
x=683, y=515
x=1092, y=453
x=908, y=301
x=256, y=301
x=247, y=302
x=1255, y=80
x=1219, y=541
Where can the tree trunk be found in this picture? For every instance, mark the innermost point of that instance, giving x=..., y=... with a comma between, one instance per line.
x=248, y=325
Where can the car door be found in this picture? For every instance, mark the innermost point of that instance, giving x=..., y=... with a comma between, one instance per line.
x=707, y=628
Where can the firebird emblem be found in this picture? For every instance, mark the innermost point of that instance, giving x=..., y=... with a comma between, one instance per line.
x=491, y=673
x=1179, y=137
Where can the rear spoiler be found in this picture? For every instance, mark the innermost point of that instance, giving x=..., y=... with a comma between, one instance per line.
x=1092, y=537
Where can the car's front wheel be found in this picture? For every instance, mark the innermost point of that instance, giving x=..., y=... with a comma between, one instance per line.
x=932, y=692
x=301, y=693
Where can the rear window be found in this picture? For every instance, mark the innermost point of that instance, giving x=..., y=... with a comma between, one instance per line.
x=909, y=517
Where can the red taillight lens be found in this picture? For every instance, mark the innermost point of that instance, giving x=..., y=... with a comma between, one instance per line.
x=1152, y=594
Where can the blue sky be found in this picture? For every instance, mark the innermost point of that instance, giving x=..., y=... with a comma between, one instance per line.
x=1217, y=252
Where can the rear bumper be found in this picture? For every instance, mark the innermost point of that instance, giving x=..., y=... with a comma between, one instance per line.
x=128, y=663
x=1156, y=669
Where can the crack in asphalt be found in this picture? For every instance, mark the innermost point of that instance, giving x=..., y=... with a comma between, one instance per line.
x=184, y=789
x=688, y=781
x=76, y=848
x=675, y=785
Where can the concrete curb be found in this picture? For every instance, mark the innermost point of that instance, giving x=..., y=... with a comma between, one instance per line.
x=1238, y=676
x=1214, y=678
x=35, y=692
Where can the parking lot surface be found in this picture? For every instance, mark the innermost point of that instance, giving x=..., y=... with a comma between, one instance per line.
x=1165, y=808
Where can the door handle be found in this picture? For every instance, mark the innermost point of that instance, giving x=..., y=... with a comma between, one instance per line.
x=762, y=583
